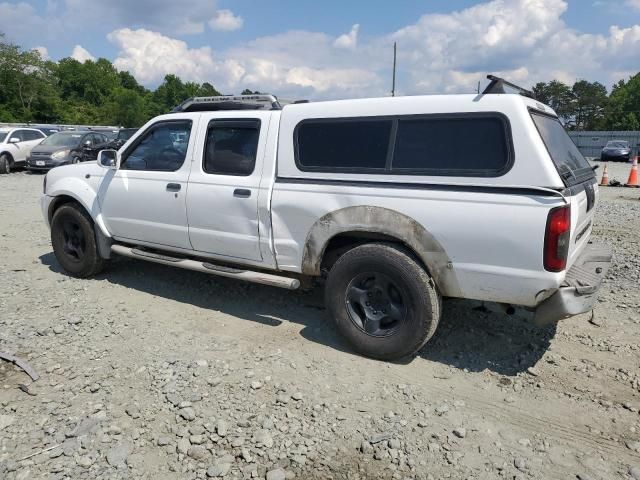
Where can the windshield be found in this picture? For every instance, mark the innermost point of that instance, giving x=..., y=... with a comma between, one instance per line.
x=617, y=144
x=3, y=135
x=63, y=139
x=571, y=165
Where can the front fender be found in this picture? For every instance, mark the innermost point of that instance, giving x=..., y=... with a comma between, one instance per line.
x=80, y=191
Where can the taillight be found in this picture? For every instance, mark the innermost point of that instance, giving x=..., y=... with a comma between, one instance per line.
x=556, y=239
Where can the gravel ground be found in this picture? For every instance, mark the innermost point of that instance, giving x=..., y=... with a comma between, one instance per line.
x=157, y=373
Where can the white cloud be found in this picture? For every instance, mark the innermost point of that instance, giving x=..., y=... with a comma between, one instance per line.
x=81, y=54
x=149, y=56
x=524, y=40
x=226, y=21
x=270, y=63
x=634, y=4
x=348, y=40
x=44, y=53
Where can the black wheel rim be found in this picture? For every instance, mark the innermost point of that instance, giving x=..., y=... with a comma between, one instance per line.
x=74, y=243
x=375, y=304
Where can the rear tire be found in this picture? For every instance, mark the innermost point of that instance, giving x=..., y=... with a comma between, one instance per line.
x=382, y=301
x=5, y=164
x=74, y=242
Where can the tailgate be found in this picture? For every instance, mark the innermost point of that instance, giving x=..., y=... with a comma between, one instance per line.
x=576, y=174
x=583, y=198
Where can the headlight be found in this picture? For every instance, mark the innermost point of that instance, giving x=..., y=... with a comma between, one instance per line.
x=44, y=184
x=60, y=154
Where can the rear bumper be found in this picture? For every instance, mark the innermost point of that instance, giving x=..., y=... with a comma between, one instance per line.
x=579, y=291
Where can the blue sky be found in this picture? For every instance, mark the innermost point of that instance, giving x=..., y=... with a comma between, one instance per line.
x=335, y=49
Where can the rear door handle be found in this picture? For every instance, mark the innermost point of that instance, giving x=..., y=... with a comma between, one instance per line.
x=173, y=187
x=242, y=193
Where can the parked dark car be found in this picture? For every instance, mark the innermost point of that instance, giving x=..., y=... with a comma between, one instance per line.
x=616, y=151
x=121, y=138
x=64, y=148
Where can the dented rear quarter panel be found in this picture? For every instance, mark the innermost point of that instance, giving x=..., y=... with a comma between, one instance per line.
x=485, y=245
x=480, y=246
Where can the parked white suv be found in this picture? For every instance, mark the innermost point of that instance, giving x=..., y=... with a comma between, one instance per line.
x=16, y=145
x=396, y=202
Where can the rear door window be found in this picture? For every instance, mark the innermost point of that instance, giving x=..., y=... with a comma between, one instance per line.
x=571, y=165
x=232, y=146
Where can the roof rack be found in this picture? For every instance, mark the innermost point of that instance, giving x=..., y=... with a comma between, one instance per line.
x=229, y=102
x=497, y=85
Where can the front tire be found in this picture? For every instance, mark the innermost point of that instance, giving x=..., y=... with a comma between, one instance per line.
x=5, y=164
x=382, y=301
x=74, y=242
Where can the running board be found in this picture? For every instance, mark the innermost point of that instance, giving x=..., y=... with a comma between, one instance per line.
x=210, y=268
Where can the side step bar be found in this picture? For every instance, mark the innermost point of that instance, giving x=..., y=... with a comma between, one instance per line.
x=204, y=267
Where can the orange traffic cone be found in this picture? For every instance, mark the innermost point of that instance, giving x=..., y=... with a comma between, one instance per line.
x=605, y=176
x=633, y=175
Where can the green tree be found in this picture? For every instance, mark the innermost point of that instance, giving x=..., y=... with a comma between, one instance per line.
x=623, y=109
x=208, y=90
x=89, y=81
x=171, y=92
x=124, y=107
x=25, y=82
x=129, y=82
x=590, y=103
x=558, y=96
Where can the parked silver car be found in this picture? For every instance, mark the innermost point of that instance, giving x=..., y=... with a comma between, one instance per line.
x=616, y=151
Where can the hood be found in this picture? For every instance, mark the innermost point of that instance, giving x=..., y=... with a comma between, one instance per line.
x=79, y=170
x=49, y=149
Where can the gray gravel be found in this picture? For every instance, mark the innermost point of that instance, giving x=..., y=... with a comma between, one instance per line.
x=156, y=373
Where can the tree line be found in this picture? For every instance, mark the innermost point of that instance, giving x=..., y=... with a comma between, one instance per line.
x=588, y=105
x=33, y=89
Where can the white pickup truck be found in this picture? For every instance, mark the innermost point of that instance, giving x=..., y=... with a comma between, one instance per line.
x=395, y=202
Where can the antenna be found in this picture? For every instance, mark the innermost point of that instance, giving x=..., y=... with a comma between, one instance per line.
x=393, y=85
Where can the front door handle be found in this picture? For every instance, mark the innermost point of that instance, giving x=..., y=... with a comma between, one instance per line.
x=242, y=193
x=173, y=187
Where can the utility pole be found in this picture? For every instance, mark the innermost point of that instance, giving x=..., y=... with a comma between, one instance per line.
x=393, y=85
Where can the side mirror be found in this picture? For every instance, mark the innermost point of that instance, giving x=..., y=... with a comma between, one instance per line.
x=108, y=159
x=14, y=140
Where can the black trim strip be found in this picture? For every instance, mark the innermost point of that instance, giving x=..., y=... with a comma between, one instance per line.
x=420, y=186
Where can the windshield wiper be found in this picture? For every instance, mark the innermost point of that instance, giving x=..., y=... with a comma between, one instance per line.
x=566, y=173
